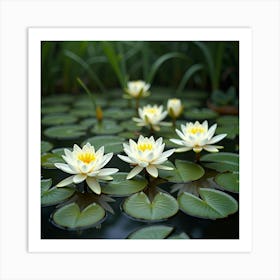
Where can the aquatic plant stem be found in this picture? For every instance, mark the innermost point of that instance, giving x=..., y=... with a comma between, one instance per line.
x=174, y=122
x=197, y=157
x=137, y=105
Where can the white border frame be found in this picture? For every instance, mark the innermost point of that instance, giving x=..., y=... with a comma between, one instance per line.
x=243, y=35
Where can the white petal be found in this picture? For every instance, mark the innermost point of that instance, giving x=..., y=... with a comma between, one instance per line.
x=93, y=185
x=184, y=149
x=211, y=131
x=177, y=141
x=217, y=138
x=65, y=167
x=79, y=178
x=137, y=169
x=125, y=158
x=65, y=182
x=163, y=167
x=107, y=171
x=168, y=153
x=152, y=170
x=107, y=178
x=180, y=134
x=210, y=149
x=106, y=159
x=76, y=148
x=197, y=149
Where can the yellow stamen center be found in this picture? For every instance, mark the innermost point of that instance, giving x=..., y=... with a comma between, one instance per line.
x=151, y=110
x=144, y=147
x=86, y=157
x=196, y=129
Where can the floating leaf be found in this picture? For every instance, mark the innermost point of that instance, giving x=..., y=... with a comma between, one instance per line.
x=128, y=135
x=120, y=186
x=121, y=103
x=228, y=120
x=184, y=171
x=54, y=109
x=213, y=205
x=119, y=114
x=107, y=127
x=151, y=232
x=162, y=207
x=45, y=146
x=58, y=119
x=57, y=99
x=129, y=125
x=181, y=235
x=228, y=181
x=112, y=144
x=71, y=217
x=83, y=112
x=48, y=160
x=52, y=196
x=231, y=130
x=200, y=114
x=221, y=161
x=65, y=132
x=60, y=151
x=86, y=123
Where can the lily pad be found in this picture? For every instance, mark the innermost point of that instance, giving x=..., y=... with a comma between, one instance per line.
x=48, y=160
x=151, y=232
x=60, y=151
x=53, y=196
x=221, y=162
x=112, y=144
x=228, y=181
x=181, y=235
x=65, y=132
x=200, y=114
x=121, y=103
x=107, y=127
x=65, y=98
x=83, y=112
x=231, y=130
x=58, y=119
x=139, y=206
x=120, y=186
x=128, y=135
x=45, y=146
x=71, y=217
x=119, y=114
x=228, y=120
x=54, y=109
x=184, y=171
x=129, y=125
x=213, y=204
x=86, y=123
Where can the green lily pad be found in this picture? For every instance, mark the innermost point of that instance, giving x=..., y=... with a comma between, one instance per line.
x=184, y=171
x=107, y=127
x=221, y=161
x=58, y=119
x=119, y=114
x=120, y=103
x=45, y=146
x=228, y=181
x=139, y=206
x=86, y=123
x=200, y=114
x=57, y=99
x=181, y=235
x=228, y=120
x=231, y=130
x=83, y=112
x=60, y=151
x=128, y=135
x=112, y=144
x=213, y=205
x=65, y=132
x=151, y=232
x=190, y=103
x=54, y=109
x=48, y=160
x=53, y=196
x=129, y=125
x=120, y=186
x=71, y=217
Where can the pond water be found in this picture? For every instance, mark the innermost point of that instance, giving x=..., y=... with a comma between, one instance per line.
x=69, y=119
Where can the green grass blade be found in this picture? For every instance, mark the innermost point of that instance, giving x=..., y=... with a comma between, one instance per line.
x=157, y=64
x=91, y=96
x=188, y=74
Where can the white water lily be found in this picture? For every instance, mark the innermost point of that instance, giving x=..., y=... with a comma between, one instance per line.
x=146, y=153
x=174, y=107
x=86, y=164
x=196, y=136
x=137, y=89
x=151, y=116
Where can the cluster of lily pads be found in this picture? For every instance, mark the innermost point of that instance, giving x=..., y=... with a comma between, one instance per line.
x=138, y=137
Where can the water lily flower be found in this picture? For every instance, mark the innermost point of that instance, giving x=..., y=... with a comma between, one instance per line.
x=151, y=116
x=137, y=89
x=196, y=136
x=174, y=107
x=146, y=153
x=86, y=164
